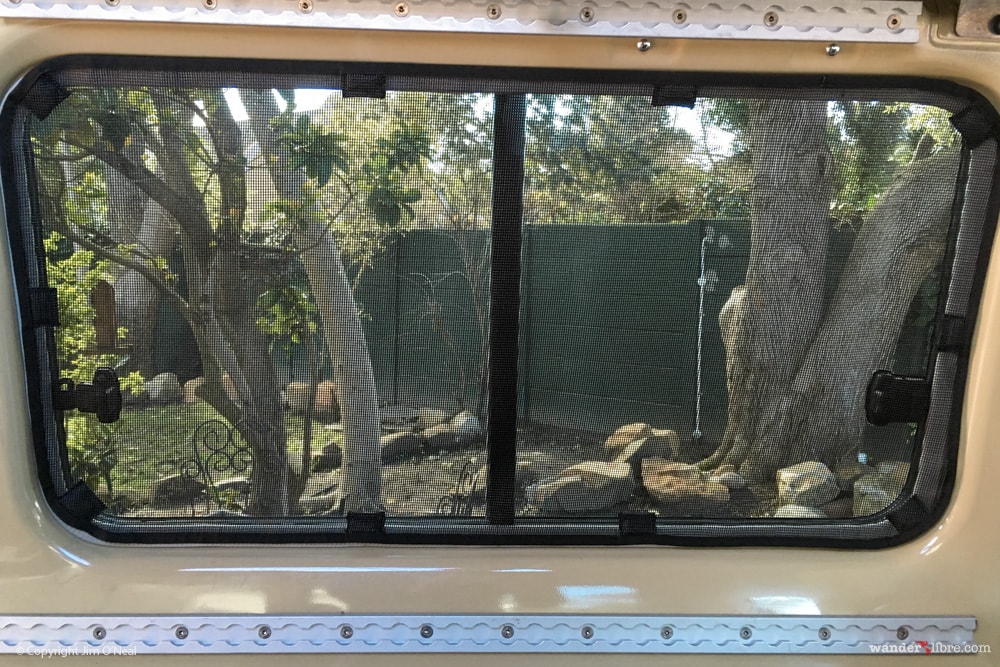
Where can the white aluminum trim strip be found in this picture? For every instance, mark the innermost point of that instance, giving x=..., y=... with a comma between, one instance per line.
x=845, y=21
x=189, y=634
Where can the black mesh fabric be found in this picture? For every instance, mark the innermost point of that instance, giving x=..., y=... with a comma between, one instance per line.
x=493, y=306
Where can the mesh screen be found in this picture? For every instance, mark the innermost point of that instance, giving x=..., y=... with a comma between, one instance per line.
x=293, y=286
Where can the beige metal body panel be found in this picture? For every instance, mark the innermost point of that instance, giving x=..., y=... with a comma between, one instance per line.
x=952, y=570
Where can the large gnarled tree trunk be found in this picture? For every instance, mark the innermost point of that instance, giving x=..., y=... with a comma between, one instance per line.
x=797, y=376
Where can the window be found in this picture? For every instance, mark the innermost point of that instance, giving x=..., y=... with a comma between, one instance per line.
x=352, y=303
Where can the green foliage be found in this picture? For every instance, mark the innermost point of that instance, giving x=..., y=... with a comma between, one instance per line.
x=314, y=149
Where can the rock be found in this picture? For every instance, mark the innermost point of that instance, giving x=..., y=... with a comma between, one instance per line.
x=584, y=488
x=798, y=512
x=429, y=417
x=445, y=437
x=651, y=446
x=810, y=484
x=178, y=489
x=398, y=446
x=724, y=468
x=297, y=398
x=238, y=485
x=527, y=473
x=399, y=415
x=467, y=425
x=842, y=508
x=329, y=458
x=323, y=493
x=326, y=400
x=625, y=436
x=191, y=390
x=894, y=473
x=848, y=472
x=669, y=482
x=164, y=389
x=730, y=480
x=871, y=495
x=230, y=387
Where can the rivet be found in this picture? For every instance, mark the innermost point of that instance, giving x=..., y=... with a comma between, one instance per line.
x=100, y=633
x=587, y=14
x=401, y=9
x=644, y=45
x=210, y=4
x=346, y=631
x=305, y=6
x=493, y=11
x=824, y=633
x=587, y=632
x=426, y=631
x=181, y=632
x=112, y=3
x=745, y=633
x=832, y=50
x=507, y=631
x=902, y=633
x=680, y=16
x=771, y=19
x=667, y=632
x=894, y=21
x=264, y=632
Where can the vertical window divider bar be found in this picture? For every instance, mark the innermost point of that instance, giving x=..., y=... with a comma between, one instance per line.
x=505, y=303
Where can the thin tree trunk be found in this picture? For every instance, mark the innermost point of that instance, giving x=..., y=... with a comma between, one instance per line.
x=342, y=328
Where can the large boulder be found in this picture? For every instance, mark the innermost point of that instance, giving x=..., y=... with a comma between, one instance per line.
x=322, y=494
x=652, y=446
x=467, y=425
x=625, y=436
x=850, y=471
x=810, y=484
x=672, y=483
x=429, y=417
x=446, y=437
x=585, y=488
x=799, y=512
x=164, y=389
x=325, y=404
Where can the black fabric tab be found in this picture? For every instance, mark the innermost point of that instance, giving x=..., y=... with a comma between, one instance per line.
x=360, y=524
x=636, y=523
x=912, y=514
x=82, y=506
x=675, y=96
x=44, y=306
x=976, y=124
x=363, y=85
x=953, y=333
x=45, y=95
x=897, y=399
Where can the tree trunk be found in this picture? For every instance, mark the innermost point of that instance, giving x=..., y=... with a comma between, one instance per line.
x=779, y=308
x=342, y=329
x=810, y=404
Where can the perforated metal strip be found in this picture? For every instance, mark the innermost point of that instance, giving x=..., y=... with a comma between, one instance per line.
x=107, y=635
x=844, y=21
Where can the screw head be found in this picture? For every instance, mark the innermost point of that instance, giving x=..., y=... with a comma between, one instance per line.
x=745, y=633
x=181, y=632
x=894, y=21
x=264, y=632
x=587, y=632
x=493, y=11
x=507, y=631
x=832, y=50
x=210, y=4
x=112, y=3
x=426, y=631
x=644, y=45
x=346, y=631
x=824, y=633
x=100, y=633
x=401, y=9
x=680, y=16
x=305, y=6
x=771, y=19
x=667, y=632
x=587, y=14
x=902, y=633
